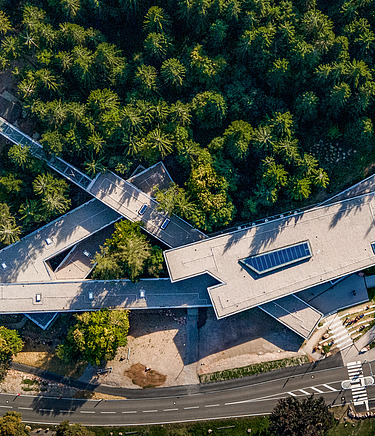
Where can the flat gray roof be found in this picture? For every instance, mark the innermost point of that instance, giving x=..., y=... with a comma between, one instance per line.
x=340, y=236
x=151, y=179
x=74, y=295
x=126, y=199
x=25, y=260
x=294, y=313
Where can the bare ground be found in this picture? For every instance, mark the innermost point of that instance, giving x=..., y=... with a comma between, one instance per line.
x=157, y=340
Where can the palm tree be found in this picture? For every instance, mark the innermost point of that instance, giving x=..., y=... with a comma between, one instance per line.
x=43, y=183
x=55, y=203
x=173, y=72
x=156, y=20
x=180, y=113
x=93, y=167
x=5, y=24
x=299, y=189
x=132, y=120
x=160, y=142
x=19, y=154
x=9, y=232
x=95, y=142
x=157, y=45
x=11, y=47
x=134, y=252
x=146, y=76
x=64, y=60
x=30, y=212
x=101, y=100
x=47, y=79
x=71, y=8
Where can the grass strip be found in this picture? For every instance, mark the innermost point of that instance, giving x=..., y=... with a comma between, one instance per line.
x=255, y=368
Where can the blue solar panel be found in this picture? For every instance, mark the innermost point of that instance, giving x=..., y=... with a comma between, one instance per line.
x=266, y=262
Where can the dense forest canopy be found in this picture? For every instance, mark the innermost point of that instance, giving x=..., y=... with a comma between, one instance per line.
x=252, y=104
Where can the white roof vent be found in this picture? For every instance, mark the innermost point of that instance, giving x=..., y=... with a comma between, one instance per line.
x=38, y=298
x=91, y=295
x=86, y=253
x=4, y=265
x=48, y=241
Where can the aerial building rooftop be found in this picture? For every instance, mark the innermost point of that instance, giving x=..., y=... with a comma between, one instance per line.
x=277, y=258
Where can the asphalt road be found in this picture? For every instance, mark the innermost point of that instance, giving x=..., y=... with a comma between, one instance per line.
x=241, y=397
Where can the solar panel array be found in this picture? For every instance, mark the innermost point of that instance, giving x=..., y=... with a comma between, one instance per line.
x=266, y=262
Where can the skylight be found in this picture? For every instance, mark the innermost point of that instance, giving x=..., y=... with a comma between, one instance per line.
x=275, y=259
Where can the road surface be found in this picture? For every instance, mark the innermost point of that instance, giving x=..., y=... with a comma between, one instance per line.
x=256, y=395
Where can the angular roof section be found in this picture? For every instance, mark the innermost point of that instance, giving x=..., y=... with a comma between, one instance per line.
x=340, y=237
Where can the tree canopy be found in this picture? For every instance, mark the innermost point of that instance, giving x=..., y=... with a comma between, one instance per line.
x=10, y=343
x=11, y=425
x=307, y=417
x=255, y=107
x=96, y=336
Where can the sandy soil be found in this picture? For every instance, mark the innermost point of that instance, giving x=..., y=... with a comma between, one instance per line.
x=157, y=339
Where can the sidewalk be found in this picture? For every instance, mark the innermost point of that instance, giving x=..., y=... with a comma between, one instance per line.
x=353, y=353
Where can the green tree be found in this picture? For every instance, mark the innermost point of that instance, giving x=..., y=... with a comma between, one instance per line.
x=123, y=255
x=307, y=417
x=306, y=106
x=210, y=109
x=67, y=429
x=173, y=72
x=175, y=200
x=146, y=77
x=96, y=336
x=157, y=46
x=237, y=139
x=10, y=343
x=156, y=20
x=9, y=231
x=5, y=24
x=11, y=425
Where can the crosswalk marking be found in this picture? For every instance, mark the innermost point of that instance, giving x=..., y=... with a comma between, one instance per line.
x=291, y=393
x=304, y=392
x=330, y=387
x=317, y=390
x=356, y=377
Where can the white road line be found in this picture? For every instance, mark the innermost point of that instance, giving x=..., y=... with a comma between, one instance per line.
x=169, y=410
x=149, y=411
x=330, y=387
x=108, y=412
x=25, y=408
x=85, y=411
x=317, y=390
x=130, y=411
x=352, y=364
x=45, y=410
x=304, y=392
x=191, y=407
x=65, y=411
x=212, y=405
x=291, y=393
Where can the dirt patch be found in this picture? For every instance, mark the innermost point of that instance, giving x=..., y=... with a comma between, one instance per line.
x=144, y=377
x=48, y=361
